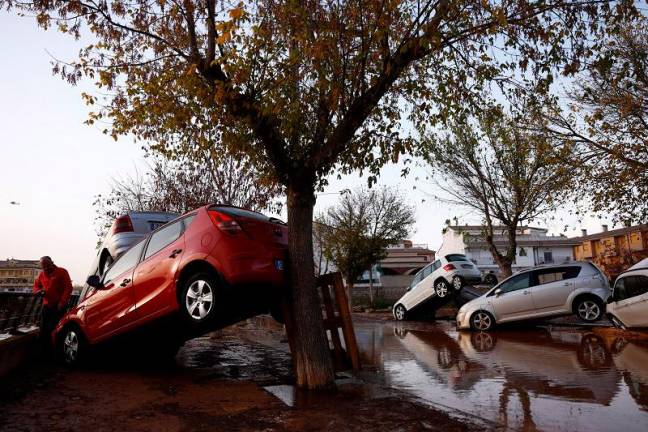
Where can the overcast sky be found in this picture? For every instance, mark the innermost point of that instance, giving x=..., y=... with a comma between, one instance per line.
x=53, y=164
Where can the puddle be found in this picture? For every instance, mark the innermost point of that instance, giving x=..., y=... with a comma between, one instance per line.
x=533, y=379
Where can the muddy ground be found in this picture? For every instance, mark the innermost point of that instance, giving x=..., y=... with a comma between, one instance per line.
x=416, y=376
x=226, y=381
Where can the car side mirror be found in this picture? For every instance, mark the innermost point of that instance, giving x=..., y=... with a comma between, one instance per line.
x=95, y=282
x=497, y=292
x=609, y=300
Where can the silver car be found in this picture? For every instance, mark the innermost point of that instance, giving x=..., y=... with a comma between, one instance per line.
x=579, y=288
x=125, y=231
x=452, y=271
x=628, y=306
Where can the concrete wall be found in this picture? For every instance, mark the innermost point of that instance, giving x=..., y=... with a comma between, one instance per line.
x=16, y=350
x=391, y=288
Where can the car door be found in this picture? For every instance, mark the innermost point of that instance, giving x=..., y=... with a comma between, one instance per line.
x=554, y=285
x=512, y=298
x=154, y=280
x=425, y=287
x=111, y=309
x=631, y=300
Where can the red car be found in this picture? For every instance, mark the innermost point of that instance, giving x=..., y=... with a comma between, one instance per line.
x=209, y=268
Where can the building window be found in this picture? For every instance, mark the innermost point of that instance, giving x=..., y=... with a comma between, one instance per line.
x=523, y=252
x=548, y=257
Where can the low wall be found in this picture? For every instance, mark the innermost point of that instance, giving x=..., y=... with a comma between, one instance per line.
x=391, y=288
x=16, y=350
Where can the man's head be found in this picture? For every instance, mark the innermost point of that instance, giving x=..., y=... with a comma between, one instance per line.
x=47, y=264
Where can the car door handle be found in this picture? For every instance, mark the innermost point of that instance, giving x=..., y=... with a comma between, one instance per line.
x=175, y=253
x=525, y=292
x=125, y=282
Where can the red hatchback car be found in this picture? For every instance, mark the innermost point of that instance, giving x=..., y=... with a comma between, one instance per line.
x=209, y=268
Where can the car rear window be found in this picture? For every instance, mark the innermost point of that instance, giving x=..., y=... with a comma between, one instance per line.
x=456, y=257
x=239, y=212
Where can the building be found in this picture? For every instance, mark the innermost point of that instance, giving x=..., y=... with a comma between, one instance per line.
x=613, y=250
x=18, y=275
x=393, y=274
x=534, y=246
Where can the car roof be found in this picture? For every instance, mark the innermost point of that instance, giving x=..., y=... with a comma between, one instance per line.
x=641, y=265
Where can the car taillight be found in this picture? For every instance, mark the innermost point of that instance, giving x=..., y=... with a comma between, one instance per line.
x=449, y=267
x=122, y=224
x=225, y=222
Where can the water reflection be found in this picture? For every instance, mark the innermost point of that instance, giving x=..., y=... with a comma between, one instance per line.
x=536, y=379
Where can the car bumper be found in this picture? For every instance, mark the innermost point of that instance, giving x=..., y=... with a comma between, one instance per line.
x=463, y=322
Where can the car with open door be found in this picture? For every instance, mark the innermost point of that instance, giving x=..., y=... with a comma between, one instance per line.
x=628, y=305
x=578, y=288
x=209, y=268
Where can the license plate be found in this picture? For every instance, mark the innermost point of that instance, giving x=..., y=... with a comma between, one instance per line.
x=466, y=266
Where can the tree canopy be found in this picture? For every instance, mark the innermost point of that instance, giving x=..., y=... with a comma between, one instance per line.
x=356, y=232
x=608, y=123
x=505, y=173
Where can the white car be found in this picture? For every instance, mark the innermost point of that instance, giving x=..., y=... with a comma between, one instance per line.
x=579, y=287
x=628, y=306
x=127, y=230
x=452, y=271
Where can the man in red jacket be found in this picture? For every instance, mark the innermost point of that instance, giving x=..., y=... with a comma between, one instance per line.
x=55, y=285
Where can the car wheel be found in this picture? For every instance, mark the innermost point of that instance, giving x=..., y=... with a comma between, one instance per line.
x=490, y=279
x=441, y=288
x=72, y=346
x=457, y=283
x=198, y=298
x=617, y=323
x=589, y=309
x=400, y=313
x=482, y=321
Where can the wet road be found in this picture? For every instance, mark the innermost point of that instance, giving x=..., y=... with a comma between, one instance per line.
x=535, y=379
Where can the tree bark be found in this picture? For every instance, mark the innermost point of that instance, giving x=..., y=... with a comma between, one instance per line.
x=371, y=287
x=310, y=348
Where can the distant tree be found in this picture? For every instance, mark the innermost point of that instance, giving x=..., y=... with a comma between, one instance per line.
x=609, y=122
x=305, y=88
x=356, y=232
x=185, y=184
x=506, y=174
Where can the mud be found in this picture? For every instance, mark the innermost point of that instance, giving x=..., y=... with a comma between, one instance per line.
x=227, y=381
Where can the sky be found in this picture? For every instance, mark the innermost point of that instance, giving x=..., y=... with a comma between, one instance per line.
x=54, y=165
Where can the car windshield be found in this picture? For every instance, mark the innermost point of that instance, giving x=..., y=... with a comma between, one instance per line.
x=456, y=257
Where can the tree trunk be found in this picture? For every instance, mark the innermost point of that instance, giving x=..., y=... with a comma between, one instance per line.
x=371, y=291
x=310, y=348
x=349, y=293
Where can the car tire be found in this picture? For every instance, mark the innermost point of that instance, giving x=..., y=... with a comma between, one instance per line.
x=588, y=309
x=198, y=298
x=490, y=279
x=482, y=321
x=72, y=346
x=400, y=313
x=441, y=288
x=457, y=283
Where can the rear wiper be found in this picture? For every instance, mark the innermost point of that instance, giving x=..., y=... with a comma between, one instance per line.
x=277, y=221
